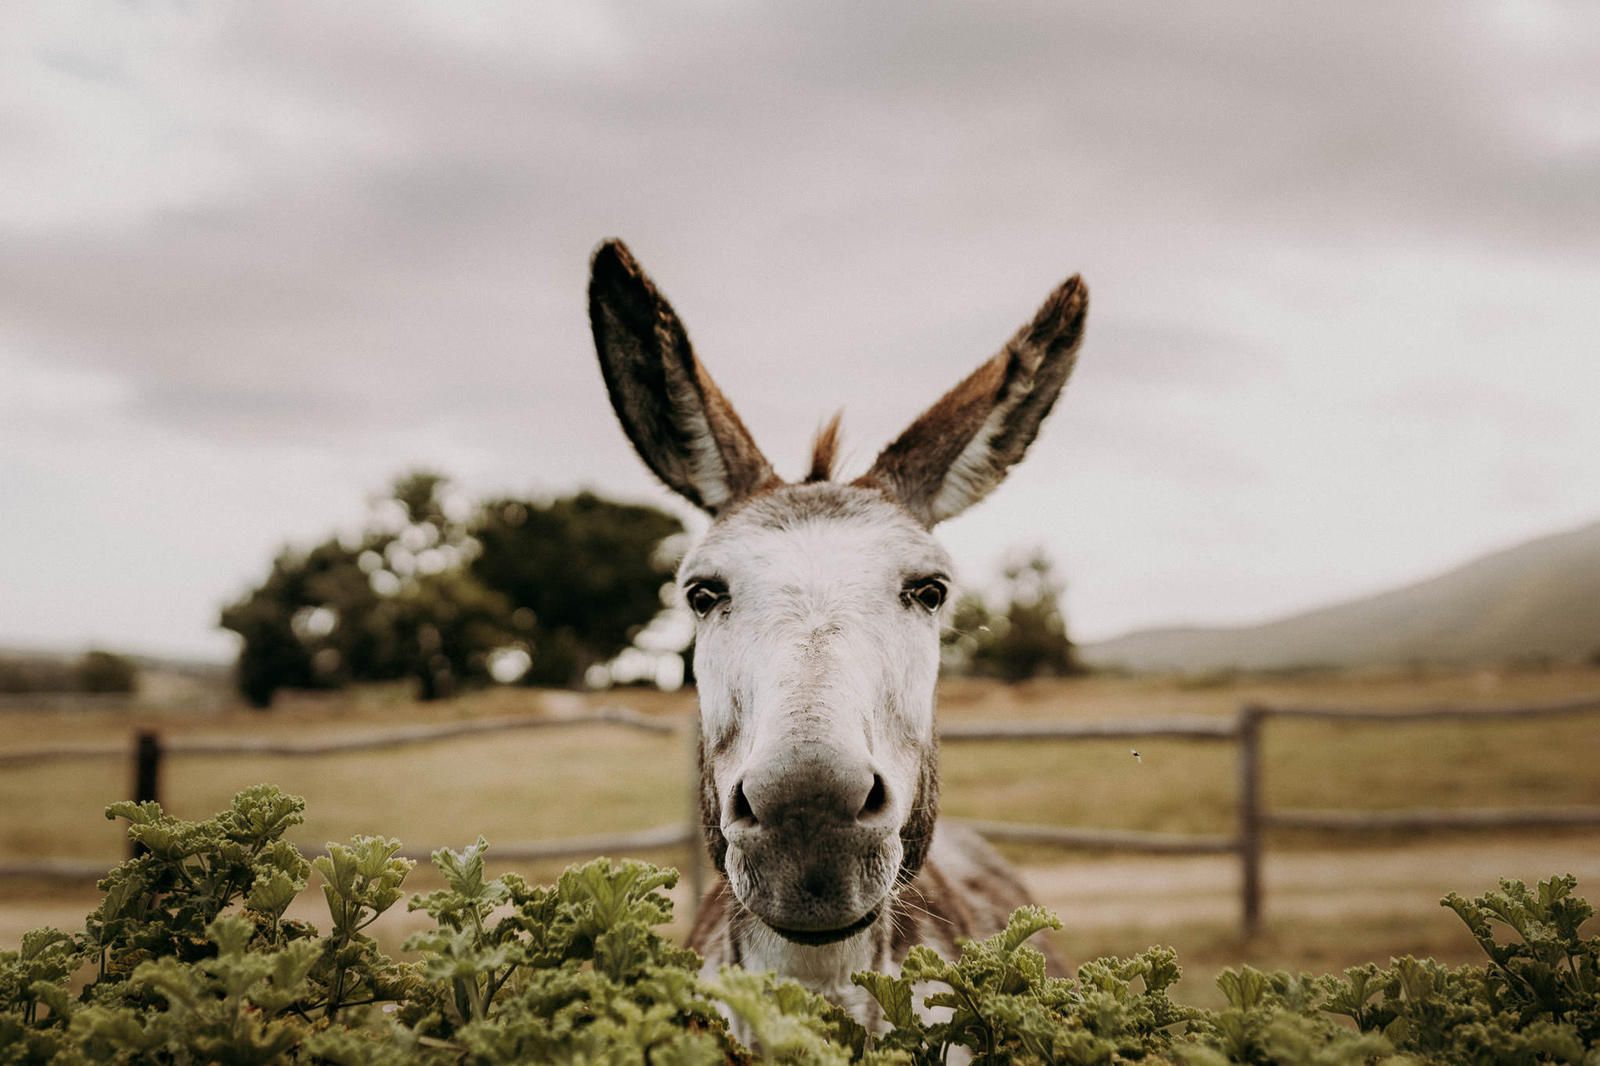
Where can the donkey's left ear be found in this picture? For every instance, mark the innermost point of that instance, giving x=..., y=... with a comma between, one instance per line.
x=678, y=420
x=962, y=446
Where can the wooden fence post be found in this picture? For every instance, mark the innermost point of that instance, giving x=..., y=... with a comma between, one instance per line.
x=146, y=774
x=1250, y=718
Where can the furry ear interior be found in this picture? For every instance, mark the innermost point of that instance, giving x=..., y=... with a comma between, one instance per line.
x=680, y=423
x=961, y=447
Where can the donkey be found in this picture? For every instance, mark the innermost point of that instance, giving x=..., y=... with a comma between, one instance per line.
x=817, y=608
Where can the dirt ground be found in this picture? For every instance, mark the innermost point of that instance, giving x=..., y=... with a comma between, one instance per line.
x=1329, y=886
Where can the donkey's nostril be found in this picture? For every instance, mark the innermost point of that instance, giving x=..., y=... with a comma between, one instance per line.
x=739, y=806
x=877, y=799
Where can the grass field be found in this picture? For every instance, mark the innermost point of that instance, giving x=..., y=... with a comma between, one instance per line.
x=1330, y=902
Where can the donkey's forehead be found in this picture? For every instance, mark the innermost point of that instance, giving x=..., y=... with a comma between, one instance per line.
x=855, y=526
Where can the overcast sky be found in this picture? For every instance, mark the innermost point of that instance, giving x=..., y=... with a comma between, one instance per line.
x=255, y=259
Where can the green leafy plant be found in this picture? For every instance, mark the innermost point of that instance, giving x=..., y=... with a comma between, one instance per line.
x=190, y=957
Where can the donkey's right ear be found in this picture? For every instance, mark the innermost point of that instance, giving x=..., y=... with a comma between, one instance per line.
x=962, y=446
x=678, y=420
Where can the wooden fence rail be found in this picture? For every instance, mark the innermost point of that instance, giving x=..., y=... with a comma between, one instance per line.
x=1107, y=839
x=150, y=752
x=1421, y=819
x=1252, y=818
x=1192, y=727
x=369, y=741
x=1406, y=715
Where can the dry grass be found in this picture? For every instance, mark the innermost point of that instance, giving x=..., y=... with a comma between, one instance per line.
x=553, y=783
x=1325, y=910
x=510, y=787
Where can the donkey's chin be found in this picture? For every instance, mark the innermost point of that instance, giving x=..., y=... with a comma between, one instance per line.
x=818, y=937
x=814, y=903
x=813, y=923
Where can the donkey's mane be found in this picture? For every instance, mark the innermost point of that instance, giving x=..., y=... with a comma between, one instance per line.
x=825, y=450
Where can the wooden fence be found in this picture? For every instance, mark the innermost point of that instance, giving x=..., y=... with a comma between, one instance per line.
x=150, y=752
x=1252, y=818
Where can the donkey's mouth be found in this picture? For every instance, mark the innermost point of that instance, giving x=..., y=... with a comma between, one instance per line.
x=818, y=937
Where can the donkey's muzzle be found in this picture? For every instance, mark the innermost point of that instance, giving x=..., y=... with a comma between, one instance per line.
x=813, y=843
x=818, y=880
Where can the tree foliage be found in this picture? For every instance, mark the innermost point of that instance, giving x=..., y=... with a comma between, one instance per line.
x=190, y=957
x=104, y=671
x=432, y=588
x=589, y=571
x=97, y=671
x=1027, y=638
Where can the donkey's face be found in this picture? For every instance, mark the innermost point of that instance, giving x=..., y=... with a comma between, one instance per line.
x=816, y=654
x=818, y=604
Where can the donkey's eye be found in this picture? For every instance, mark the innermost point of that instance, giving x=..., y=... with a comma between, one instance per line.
x=926, y=592
x=703, y=596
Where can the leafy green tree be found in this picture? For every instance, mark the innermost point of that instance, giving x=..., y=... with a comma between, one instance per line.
x=433, y=587
x=21, y=673
x=447, y=625
x=396, y=604
x=271, y=656
x=97, y=671
x=588, y=570
x=969, y=628
x=103, y=671
x=1027, y=639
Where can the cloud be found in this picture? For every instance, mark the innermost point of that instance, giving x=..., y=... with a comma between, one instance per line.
x=335, y=237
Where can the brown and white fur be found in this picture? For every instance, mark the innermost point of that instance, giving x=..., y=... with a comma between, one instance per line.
x=818, y=610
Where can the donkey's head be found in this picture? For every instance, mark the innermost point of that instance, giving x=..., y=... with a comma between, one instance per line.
x=818, y=604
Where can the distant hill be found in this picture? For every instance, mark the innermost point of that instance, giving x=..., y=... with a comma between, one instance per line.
x=1540, y=598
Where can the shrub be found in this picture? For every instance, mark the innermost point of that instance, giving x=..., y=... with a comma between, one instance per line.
x=97, y=671
x=1027, y=639
x=189, y=958
x=104, y=671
